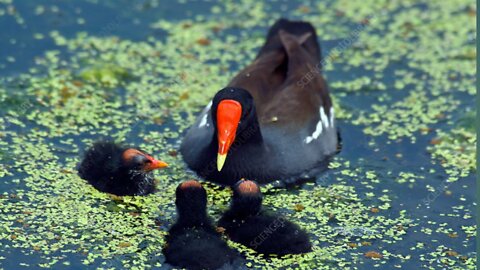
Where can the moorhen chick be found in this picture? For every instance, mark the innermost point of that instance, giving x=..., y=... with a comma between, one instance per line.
x=275, y=119
x=193, y=241
x=118, y=169
x=246, y=223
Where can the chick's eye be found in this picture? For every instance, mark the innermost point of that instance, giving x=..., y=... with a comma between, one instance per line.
x=139, y=160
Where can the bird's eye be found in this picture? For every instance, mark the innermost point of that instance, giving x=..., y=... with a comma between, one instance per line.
x=139, y=160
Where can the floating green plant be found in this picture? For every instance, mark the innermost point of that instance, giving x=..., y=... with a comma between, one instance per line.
x=150, y=91
x=407, y=117
x=108, y=74
x=456, y=151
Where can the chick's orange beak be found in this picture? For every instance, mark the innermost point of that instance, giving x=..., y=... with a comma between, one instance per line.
x=154, y=164
x=228, y=116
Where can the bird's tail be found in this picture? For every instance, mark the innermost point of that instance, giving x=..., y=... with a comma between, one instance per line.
x=296, y=28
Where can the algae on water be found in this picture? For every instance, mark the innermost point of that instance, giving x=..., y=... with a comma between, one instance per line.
x=401, y=74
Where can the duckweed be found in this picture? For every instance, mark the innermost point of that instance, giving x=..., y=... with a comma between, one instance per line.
x=401, y=74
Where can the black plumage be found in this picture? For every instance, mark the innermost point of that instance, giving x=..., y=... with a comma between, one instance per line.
x=193, y=242
x=118, y=169
x=247, y=223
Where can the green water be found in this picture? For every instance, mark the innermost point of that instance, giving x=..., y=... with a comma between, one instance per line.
x=401, y=73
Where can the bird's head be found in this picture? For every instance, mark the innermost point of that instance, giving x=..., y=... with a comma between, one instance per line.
x=233, y=111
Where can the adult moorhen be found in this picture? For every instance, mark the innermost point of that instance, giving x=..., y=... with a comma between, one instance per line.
x=274, y=120
x=119, y=169
x=193, y=242
x=246, y=223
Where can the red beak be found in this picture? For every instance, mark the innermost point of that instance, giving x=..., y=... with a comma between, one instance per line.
x=154, y=164
x=228, y=116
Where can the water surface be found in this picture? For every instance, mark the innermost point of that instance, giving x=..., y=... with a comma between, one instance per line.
x=402, y=76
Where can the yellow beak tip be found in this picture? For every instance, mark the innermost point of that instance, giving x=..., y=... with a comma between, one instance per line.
x=221, y=161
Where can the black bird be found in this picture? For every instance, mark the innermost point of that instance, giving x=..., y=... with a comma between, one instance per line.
x=275, y=119
x=193, y=241
x=246, y=223
x=119, y=169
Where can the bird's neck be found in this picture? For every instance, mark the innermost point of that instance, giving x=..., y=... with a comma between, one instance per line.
x=194, y=219
x=245, y=208
x=251, y=134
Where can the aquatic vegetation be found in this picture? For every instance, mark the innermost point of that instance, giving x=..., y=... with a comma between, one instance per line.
x=396, y=83
x=359, y=84
x=456, y=151
x=406, y=117
x=109, y=74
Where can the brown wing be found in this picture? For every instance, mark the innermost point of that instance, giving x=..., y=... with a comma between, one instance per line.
x=277, y=78
x=304, y=90
x=263, y=78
